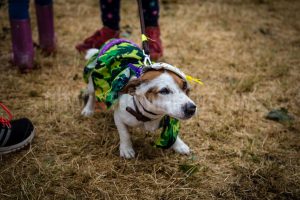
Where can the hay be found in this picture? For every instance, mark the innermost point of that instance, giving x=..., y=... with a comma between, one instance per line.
x=248, y=55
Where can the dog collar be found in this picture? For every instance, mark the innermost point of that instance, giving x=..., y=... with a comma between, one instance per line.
x=138, y=114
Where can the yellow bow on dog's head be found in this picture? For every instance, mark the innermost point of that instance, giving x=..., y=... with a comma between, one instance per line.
x=192, y=79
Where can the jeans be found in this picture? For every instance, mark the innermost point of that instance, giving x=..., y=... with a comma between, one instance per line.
x=19, y=9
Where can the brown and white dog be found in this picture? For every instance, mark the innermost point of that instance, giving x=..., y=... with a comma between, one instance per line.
x=161, y=90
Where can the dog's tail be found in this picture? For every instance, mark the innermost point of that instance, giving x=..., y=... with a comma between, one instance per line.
x=90, y=53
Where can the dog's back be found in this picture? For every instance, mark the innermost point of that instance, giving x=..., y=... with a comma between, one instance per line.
x=108, y=68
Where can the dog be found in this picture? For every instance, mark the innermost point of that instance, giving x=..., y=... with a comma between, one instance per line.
x=147, y=94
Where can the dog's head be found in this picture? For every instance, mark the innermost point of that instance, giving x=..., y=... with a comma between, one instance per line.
x=163, y=91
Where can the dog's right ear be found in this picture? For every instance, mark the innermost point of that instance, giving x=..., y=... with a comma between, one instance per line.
x=131, y=86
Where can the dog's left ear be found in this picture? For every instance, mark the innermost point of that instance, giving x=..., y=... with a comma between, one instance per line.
x=186, y=88
x=131, y=86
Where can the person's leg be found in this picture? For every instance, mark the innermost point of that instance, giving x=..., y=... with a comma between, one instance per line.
x=22, y=45
x=110, y=15
x=45, y=21
x=151, y=12
x=151, y=16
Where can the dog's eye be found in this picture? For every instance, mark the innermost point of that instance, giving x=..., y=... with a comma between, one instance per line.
x=185, y=86
x=165, y=91
x=187, y=91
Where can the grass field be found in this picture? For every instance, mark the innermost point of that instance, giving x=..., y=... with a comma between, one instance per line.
x=247, y=52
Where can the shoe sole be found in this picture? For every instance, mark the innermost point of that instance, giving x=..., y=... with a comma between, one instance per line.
x=16, y=147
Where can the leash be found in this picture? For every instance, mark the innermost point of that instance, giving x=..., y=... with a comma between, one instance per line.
x=145, y=43
x=145, y=47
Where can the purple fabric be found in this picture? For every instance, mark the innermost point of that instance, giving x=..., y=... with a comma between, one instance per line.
x=45, y=26
x=112, y=43
x=137, y=70
x=22, y=43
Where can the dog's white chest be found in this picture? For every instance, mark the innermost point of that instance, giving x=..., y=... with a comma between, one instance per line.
x=152, y=125
x=125, y=101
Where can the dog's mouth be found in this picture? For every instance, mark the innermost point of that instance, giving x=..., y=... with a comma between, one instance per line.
x=187, y=111
x=183, y=117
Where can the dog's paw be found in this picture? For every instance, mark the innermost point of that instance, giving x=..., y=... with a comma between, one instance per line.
x=87, y=112
x=126, y=152
x=181, y=147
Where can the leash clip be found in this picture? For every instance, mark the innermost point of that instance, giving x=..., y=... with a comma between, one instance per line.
x=147, y=61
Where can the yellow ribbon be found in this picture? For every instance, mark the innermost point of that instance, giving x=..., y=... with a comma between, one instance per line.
x=144, y=38
x=190, y=78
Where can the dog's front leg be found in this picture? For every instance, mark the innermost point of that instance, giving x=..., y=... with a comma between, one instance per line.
x=180, y=147
x=126, y=150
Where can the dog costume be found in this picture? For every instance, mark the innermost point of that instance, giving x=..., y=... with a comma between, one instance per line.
x=119, y=60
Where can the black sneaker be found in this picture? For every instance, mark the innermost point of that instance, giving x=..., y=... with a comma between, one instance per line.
x=14, y=134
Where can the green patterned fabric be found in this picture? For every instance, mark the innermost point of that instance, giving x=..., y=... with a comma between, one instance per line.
x=110, y=73
x=169, y=133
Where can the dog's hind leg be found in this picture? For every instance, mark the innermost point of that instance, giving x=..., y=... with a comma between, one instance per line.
x=89, y=108
x=126, y=150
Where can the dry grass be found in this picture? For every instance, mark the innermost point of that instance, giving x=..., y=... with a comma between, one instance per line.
x=248, y=55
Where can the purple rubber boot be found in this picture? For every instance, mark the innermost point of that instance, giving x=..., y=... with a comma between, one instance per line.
x=22, y=44
x=47, y=40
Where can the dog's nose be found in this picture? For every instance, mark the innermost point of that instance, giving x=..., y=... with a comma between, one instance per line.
x=189, y=109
